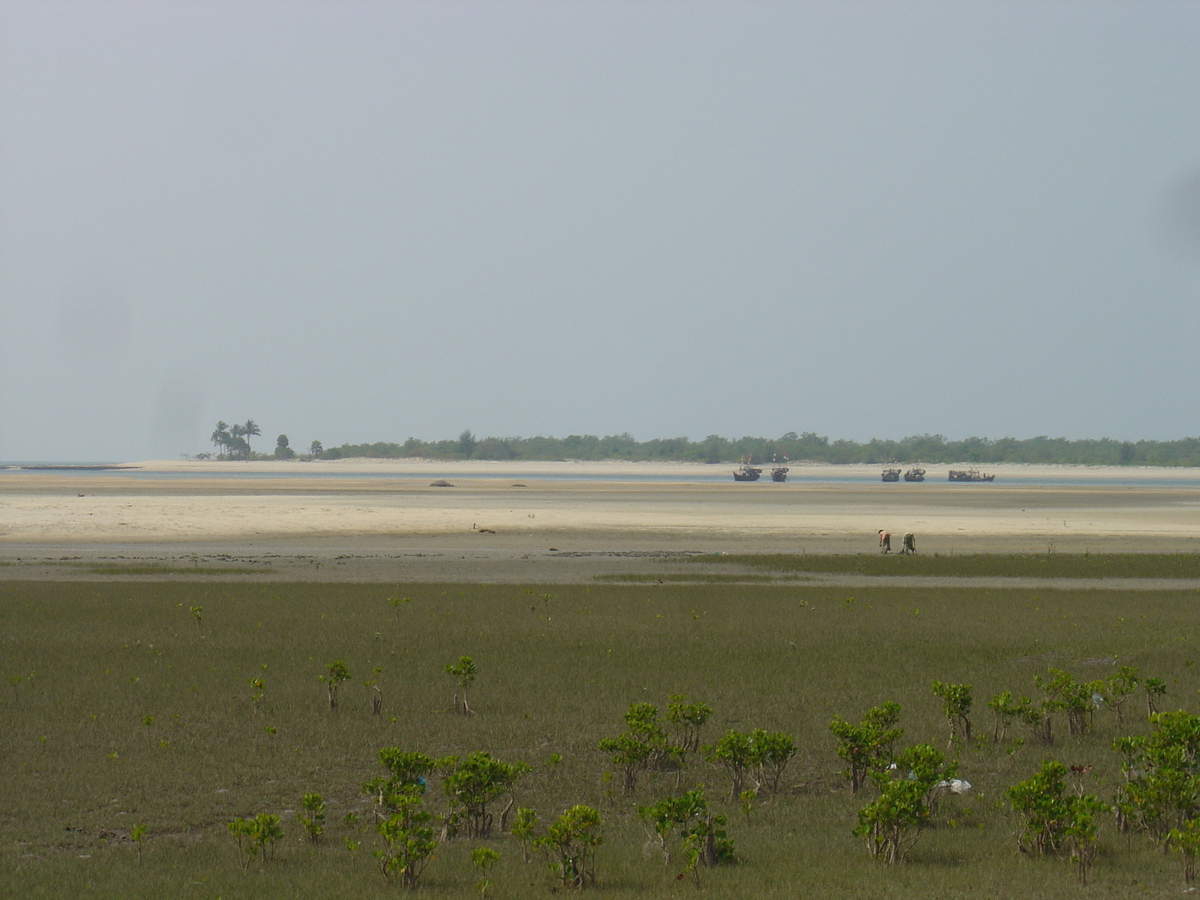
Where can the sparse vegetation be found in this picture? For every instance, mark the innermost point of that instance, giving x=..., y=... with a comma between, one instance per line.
x=122, y=651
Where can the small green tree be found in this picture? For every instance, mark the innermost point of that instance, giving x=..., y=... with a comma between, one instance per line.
x=737, y=754
x=893, y=821
x=472, y=784
x=774, y=750
x=398, y=603
x=256, y=836
x=1079, y=700
x=376, y=692
x=1154, y=688
x=464, y=670
x=1123, y=683
x=867, y=747
x=1081, y=831
x=570, y=844
x=701, y=833
x=1186, y=839
x=525, y=829
x=1004, y=711
x=643, y=745
x=688, y=719
x=1041, y=803
x=337, y=674
x=407, y=771
x=138, y=835
x=408, y=838
x=956, y=707
x=312, y=816
x=1162, y=774
x=484, y=858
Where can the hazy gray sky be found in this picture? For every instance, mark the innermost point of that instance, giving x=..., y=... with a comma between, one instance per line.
x=359, y=221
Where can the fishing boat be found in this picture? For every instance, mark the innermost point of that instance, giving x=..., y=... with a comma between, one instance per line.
x=969, y=475
x=779, y=472
x=747, y=472
x=916, y=473
x=890, y=474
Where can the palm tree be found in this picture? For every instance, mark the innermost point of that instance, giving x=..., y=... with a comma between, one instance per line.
x=249, y=430
x=220, y=437
x=238, y=446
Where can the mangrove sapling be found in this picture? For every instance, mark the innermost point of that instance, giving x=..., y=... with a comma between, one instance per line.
x=1042, y=802
x=258, y=688
x=377, y=694
x=137, y=836
x=747, y=797
x=737, y=754
x=336, y=675
x=867, y=747
x=1079, y=700
x=702, y=833
x=570, y=844
x=893, y=821
x=956, y=707
x=645, y=744
x=1037, y=718
x=1119, y=687
x=1186, y=839
x=774, y=750
x=397, y=604
x=148, y=724
x=464, y=670
x=484, y=858
x=1154, y=688
x=525, y=828
x=312, y=816
x=266, y=833
x=408, y=839
x=256, y=836
x=688, y=719
x=1005, y=711
x=1162, y=772
x=472, y=784
x=196, y=612
x=406, y=774
x=15, y=681
x=1081, y=831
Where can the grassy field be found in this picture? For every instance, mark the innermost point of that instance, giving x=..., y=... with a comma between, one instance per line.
x=86, y=663
x=1041, y=565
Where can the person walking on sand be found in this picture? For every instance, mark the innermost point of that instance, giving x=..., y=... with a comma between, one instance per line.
x=908, y=543
x=885, y=540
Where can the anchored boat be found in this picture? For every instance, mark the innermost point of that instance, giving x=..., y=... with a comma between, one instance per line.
x=890, y=475
x=916, y=473
x=747, y=472
x=969, y=475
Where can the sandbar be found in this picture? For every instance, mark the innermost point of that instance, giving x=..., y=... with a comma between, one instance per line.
x=384, y=519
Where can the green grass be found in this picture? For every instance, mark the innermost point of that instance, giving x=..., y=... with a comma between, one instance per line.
x=707, y=578
x=555, y=676
x=125, y=569
x=1047, y=565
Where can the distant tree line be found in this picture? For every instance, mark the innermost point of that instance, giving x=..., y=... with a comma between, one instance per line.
x=924, y=448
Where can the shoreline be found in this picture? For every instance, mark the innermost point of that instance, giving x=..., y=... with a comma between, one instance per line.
x=386, y=519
